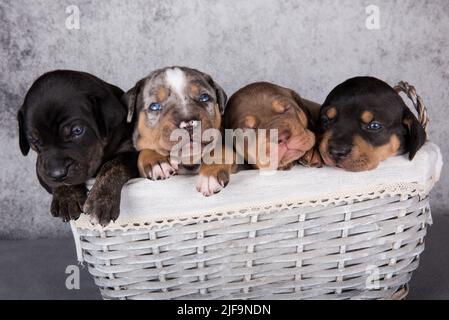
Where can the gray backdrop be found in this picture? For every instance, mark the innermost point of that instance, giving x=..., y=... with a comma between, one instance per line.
x=310, y=46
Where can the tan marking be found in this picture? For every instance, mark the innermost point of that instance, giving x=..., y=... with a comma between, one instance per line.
x=161, y=94
x=250, y=122
x=278, y=106
x=148, y=138
x=217, y=120
x=390, y=149
x=331, y=113
x=324, y=148
x=365, y=156
x=367, y=117
x=194, y=89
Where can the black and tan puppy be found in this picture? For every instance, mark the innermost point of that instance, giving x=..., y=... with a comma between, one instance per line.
x=77, y=125
x=178, y=99
x=363, y=122
x=268, y=106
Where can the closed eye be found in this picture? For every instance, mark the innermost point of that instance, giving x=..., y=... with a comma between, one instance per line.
x=325, y=122
x=34, y=141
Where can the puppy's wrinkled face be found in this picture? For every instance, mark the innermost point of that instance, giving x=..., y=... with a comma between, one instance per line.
x=271, y=107
x=363, y=122
x=174, y=98
x=65, y=136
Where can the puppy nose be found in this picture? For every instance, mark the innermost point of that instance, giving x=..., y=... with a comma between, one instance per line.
x=193, y=123
x=339, y=152
x=59, y=171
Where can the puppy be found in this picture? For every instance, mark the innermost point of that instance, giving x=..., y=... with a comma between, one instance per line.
x=173, y=99
x=363, y=122
x=267, y=106
x=77, y=125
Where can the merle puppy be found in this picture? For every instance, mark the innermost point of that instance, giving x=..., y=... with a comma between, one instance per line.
x=77, y=125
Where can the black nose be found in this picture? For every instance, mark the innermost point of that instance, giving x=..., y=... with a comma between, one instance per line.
x=60, y=171
x=339, y=152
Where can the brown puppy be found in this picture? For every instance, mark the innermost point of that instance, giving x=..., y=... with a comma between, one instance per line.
x=175, y=107
x=363, y=122
x=267, y=106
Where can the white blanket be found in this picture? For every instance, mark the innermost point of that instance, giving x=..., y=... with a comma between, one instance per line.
x=164, y=202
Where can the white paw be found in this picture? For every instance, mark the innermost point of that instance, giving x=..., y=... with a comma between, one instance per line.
x=94, y=219
x=162, y=171
x=208, y=185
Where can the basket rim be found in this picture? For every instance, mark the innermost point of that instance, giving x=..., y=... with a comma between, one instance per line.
x=418, y=184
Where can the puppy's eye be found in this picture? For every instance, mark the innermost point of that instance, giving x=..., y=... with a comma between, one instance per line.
x=34, y=141
x=374, y=126
x=325, y=122
x=204, y=97
x=155, y=106
x=77, y=131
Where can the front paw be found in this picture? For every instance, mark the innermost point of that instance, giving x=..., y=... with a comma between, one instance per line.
x=312, y=159
x=68, y=202
x=213, y=179
x=102, y=206
x=155, y=166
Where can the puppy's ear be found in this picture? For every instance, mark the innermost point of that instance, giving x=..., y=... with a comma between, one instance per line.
x=108, y=109
x=98, y=114
x=301, y=103
x=222, y=98
x=416, y=135
x=130, y=100
x=23, y=141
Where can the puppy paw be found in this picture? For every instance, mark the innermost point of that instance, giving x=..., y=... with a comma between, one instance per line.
x=102, y=205
x=312, y=159
x=68, y=202
x=102, y=210
x=155, y=166
x=213, y=179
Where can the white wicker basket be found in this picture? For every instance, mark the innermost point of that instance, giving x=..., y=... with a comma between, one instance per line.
x=302, y=234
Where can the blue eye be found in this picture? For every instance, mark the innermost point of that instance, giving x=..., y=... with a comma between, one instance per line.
x=374, y=126
x=77, y=131
x=155, y=107
x=204, y=97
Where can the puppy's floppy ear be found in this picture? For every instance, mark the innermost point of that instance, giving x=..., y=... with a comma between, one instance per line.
x=416, y=135
x=108, y=109
x=23, y=141
x=130, y=100
x=305, y=109
x=222, y=98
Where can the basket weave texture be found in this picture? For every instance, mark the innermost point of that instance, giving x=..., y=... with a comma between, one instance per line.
x=358, y=242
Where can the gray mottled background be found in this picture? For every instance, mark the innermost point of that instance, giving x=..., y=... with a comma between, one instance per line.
x=310, y=46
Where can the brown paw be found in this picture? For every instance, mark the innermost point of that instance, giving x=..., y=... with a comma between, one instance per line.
x=155, y=166
x=213, y=179
x=312, y=158
x=102, y=205
x=68, y=202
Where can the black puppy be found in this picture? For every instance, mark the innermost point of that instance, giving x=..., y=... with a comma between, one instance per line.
x=363, y=122
x=77, y=125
